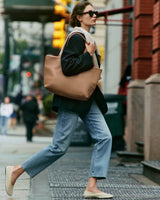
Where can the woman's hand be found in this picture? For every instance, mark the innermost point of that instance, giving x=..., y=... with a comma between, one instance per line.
x=90, y=47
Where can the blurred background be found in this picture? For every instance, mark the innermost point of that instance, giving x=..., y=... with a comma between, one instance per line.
x=32, y=29
x=128, y=36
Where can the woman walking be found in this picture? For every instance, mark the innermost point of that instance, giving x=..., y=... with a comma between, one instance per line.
x=78, y=56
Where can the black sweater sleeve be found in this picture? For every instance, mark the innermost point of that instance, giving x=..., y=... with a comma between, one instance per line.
x=73, y=59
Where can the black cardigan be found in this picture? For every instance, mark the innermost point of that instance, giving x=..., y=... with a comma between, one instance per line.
x=75, y=61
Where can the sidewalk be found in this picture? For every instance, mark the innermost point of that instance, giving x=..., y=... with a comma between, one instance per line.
x=67, y=178
x=14, y=150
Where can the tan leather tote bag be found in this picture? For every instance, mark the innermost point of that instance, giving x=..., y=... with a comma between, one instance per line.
x=79, y=87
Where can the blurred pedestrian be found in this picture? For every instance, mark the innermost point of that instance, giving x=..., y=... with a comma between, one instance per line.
x=6, y=109
x=122, y=90
x=75, y=60
x=30, y=113
x=39, y=99
x=18, y=102
x=123, y=85
x=13, y=118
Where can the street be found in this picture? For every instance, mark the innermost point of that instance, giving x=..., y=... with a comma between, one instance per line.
x=67, y=178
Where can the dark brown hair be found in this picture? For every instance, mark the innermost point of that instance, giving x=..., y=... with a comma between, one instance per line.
x=78, y=10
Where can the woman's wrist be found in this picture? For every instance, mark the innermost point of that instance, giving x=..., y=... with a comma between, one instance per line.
x=91, y=54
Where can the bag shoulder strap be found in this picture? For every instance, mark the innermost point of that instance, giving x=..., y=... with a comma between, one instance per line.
x=99, y=64
x=68, y=38
x=75, y=33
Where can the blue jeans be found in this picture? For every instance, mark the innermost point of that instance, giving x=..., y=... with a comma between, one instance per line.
x=65, y=127
x=4, y=124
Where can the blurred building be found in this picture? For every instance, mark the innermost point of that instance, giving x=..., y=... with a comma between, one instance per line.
x=108, y=39
x=143, y=118
x=113, y=49
x=25, y=33
x=1, y=31
x=1, y=34
x=115, y=37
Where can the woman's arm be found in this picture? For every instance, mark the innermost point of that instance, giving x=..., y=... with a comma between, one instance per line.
x=73, y=59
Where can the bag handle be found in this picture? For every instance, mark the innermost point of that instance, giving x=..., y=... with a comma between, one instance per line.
x=67, y=40
x=74, y=34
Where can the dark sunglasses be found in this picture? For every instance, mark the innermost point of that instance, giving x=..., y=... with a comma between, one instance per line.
x=91, y=13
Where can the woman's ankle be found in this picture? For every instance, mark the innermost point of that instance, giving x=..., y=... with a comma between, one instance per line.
x=17, y=171
x=92, y=185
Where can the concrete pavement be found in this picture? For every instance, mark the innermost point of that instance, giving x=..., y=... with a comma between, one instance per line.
x=14, y=150
x=67, y=178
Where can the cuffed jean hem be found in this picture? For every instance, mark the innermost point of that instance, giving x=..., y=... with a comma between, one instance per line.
x=97, y=177
x=32, y=174
x=101, y=175
x=32, y=168
x=28, y=172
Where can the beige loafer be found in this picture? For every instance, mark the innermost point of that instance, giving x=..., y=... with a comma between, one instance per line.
x=9, y=186
x=100, y=195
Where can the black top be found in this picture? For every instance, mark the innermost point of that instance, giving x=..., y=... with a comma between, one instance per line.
x=75, y=61
x=30, y=111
